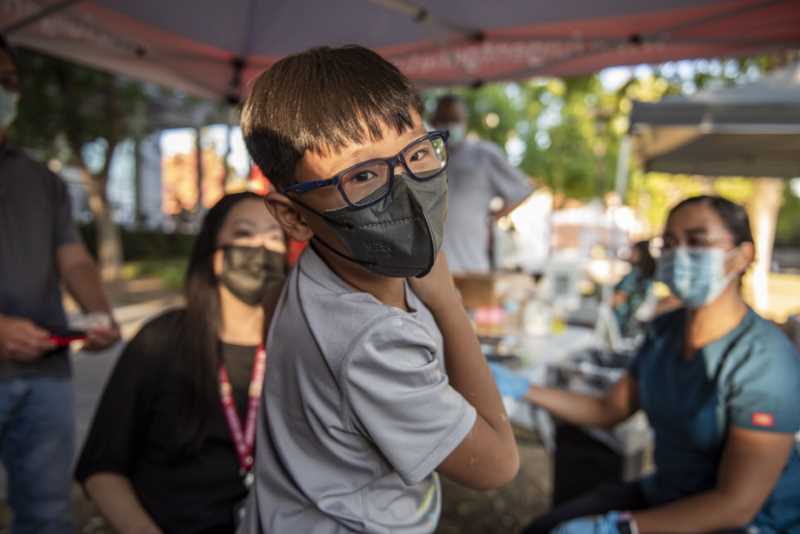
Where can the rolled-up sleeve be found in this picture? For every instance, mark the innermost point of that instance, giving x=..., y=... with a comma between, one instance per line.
x=400, y=398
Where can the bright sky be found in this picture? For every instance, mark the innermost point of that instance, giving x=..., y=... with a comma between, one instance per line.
x=613, y=78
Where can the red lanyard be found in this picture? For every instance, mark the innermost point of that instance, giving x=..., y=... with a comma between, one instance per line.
x=244, y=440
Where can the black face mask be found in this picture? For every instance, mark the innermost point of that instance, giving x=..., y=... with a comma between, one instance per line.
x=398, y=236
x=250, y=272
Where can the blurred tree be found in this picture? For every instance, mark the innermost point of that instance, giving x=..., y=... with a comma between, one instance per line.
x=79, y=116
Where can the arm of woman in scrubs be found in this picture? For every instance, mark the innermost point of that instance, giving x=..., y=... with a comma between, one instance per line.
x=621, y=402
x=751, y=464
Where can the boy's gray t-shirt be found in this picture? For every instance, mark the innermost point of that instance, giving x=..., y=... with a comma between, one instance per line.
x=357, y=412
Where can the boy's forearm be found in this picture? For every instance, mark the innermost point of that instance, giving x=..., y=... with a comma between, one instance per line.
x=466, y=366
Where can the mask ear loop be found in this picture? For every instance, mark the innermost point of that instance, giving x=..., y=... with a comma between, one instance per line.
x=729, y=277
x=733, y=275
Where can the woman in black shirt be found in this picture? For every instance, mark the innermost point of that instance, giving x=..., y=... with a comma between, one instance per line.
x=170, y=446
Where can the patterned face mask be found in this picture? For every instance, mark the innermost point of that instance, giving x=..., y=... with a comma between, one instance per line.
x=249, y=272
x=695, y=275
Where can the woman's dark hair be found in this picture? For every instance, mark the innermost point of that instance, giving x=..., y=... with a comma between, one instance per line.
x=646, y=263
x=322, y=100
x=198, y=351
x=733, y=216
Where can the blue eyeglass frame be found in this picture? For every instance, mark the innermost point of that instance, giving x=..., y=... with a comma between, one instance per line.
x=305, y=187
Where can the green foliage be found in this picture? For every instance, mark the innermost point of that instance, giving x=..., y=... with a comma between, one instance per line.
x=170, y=271
x=67, y=107
x=570, y=129
x=654, y=194
x=144, y=245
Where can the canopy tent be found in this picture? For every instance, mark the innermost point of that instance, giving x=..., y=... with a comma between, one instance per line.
x=747, y=130
x=212, y=48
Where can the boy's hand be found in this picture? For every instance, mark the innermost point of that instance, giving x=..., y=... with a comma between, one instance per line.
x=436, y=289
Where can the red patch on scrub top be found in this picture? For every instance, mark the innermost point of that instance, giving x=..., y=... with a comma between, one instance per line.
x=763, y=419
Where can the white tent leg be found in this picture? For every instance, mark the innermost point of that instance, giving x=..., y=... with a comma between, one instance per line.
x=620, y=187
x=623, y=166
x=764, y=209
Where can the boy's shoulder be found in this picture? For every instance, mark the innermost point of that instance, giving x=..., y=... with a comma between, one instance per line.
x=342, y=318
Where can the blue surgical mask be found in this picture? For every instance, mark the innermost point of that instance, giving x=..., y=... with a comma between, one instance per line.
x=695, y=275
x=458, y=132
x=8, y=107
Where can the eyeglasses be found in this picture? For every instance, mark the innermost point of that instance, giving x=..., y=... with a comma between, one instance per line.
x=370, y=181
x=667, y=243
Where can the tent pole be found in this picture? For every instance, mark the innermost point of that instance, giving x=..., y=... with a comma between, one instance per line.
x=623, y=167
x=620, y=185
x=198, y=154
x=39, y=15
x=764, y=209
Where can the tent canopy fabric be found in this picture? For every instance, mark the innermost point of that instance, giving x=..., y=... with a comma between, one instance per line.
x=747, y=130
x=213, y=49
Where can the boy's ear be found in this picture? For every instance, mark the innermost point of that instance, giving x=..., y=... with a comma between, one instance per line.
x=288, y=217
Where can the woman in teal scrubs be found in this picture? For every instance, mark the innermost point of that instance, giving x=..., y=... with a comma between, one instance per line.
x=720, y=386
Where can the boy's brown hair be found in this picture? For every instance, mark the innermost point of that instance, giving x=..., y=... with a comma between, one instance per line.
x=322, y=100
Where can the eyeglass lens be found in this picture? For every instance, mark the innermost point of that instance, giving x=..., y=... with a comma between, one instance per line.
x=370, y=182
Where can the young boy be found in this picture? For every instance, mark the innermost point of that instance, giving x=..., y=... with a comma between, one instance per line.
x=375, y=377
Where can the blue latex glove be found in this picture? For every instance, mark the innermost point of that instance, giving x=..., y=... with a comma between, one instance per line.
x=601, y=524
x=509, y=383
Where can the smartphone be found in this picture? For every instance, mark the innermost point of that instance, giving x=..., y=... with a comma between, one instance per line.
x=65, y=338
